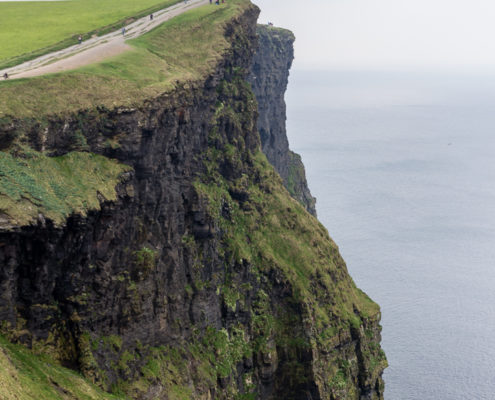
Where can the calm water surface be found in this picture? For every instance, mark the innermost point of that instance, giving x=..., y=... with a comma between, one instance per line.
x=403, y=167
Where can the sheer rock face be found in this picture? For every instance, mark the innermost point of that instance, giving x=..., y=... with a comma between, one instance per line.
x=269, y=77
x=185, y=286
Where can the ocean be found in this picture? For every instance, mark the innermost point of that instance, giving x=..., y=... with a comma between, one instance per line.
x=403, y=169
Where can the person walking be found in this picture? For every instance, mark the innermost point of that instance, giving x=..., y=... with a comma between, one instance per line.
x=123, y=30
x=151, y=17
x=6, y=76
x=79, y=39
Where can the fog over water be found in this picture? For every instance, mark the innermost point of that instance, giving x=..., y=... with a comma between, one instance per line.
x=385, y=34
x=403, y=168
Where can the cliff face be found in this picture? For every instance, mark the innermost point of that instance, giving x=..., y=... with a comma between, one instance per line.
x=269, y=77
x=199, y=276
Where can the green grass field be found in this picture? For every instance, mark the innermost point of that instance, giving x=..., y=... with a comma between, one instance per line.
x=29, y=29
x=184, y=48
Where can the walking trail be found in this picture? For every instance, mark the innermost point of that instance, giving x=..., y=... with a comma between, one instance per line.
x=97, y=48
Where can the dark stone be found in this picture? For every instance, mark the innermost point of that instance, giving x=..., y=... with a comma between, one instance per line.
x=269, y=78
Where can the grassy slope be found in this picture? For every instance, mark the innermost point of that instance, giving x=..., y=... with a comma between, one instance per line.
x=156, y=63
x=24, y=376
x=29, y=29
x=55, y=186
x=278, y=231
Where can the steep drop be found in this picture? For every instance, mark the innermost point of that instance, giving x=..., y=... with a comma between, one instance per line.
x=202, y=278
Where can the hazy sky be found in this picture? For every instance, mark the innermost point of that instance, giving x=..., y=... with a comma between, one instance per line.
x=410, y=34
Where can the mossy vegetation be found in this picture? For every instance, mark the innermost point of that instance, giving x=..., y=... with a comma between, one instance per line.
x=32, y=184
x=29, y=30
x=277, y=231
x=145, y=258
x=184, y=48
x=25, y=376
x=270, y=231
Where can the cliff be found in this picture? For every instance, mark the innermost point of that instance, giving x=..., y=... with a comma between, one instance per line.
x=269, y=77
x=150, y=246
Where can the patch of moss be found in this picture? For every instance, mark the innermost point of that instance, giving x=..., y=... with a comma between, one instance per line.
x=164, y=364
x=146, y=258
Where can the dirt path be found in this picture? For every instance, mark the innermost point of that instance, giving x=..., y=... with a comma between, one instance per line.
x=97, y=48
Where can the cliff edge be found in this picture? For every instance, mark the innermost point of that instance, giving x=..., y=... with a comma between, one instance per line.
x=147, y=243
x=269, y=78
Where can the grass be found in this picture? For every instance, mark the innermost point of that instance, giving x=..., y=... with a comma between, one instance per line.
x=24, y=376
x=184, y=48
x=33, y=183
x=31, y=29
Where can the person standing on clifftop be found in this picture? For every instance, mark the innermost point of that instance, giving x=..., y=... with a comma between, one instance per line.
x=151, y=17
x=6, y=76
x=79, y=39
x=123, y=31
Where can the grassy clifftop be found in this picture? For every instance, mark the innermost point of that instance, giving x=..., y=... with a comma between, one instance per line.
x=30, y=29
x=183, y=49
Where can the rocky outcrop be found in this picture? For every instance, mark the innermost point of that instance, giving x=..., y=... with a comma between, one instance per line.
x=202, y=279
x=269, y=78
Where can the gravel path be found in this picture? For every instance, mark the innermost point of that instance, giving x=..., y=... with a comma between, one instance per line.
x=97, y=48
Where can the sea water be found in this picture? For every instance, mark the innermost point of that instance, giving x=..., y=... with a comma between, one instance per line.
x=403, y=169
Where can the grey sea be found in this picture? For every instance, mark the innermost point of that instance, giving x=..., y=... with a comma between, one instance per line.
x=403, y=168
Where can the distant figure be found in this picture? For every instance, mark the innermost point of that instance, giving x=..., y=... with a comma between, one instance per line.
x=151, y=17
x=79, y=39
x=6, y=76
x=211, y=1
x=223, y=1
x=217, y=2
x=270, y=23
x=123, y=31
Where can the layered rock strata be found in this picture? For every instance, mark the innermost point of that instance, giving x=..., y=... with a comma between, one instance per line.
x=269, y=78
